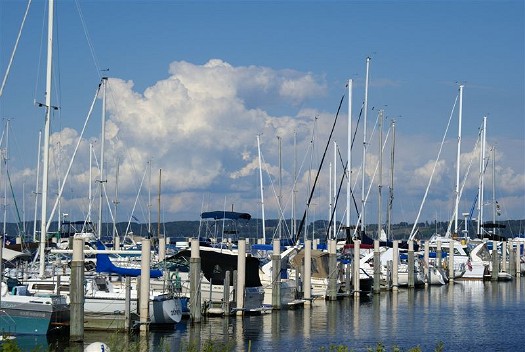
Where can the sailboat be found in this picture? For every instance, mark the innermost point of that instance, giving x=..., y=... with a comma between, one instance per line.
x=20, y=311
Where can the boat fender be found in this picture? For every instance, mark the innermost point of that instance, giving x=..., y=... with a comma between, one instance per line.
x=4, y=289
x=97, y=347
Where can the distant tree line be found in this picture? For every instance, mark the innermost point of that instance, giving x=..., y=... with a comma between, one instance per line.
x=180, y=230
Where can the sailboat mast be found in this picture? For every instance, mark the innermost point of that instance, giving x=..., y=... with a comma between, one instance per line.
x=158, y=215
x=349, y=155
x=294, y=225
x=458, y=160
x=329, y=197
x=262, y=189
x=380, y=185
x=4, y=171
x=37, y=186
x=334, y=233
x=115, y=204
x=102, y=140
x=90, y=185
x=481, y=186
x=391, y=190
x=149, y=197
x=494, y=186
x=363, y=205
x=47, y=127
x=280, y=188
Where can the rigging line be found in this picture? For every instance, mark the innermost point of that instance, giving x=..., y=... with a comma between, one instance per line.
x=104, y=191
x=288, y=199
x=462, y=187
x=42, y=41
x=353, y=137
x=335, y=203
x=412, y=232
x=73, y=157
x=90, y=43
x=372, y=179
x=6, y=76
x=312, y=154
x=13, y=194
x=301, y=224
x=478, y=140
x=135, y=203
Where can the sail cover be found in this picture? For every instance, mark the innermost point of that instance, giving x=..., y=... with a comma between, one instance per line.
x=215, y=264
x=104, y=265
x=219, y=215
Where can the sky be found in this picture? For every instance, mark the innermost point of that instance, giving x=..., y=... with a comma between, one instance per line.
x=192, y=84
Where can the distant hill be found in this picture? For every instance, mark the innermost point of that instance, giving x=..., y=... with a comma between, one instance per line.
x=178, y=230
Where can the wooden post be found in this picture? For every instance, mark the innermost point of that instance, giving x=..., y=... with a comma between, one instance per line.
x=512, y=260
x=395, y=266
x=495, y=261
x=144, y=286
x=332, y=271
x=504, y=256
x=377, y=268
x=411, y=264
x=58, y=284
x=426, y=258
x=117, y=243
x=307, y=279
x=241, y=275
x=76, y=294
x=226, y=293
x=127, y=304
x=357, y=269
x=195, y=281
x=518, y=259
x=162, y=248
x=451, y=261
x=276, y=274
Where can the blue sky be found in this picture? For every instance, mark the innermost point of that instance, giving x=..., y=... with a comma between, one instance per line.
x=193, y=83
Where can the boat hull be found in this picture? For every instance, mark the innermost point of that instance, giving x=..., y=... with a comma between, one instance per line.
x=32, y=315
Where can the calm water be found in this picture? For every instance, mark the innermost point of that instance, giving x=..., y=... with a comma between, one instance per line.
x=468, y=316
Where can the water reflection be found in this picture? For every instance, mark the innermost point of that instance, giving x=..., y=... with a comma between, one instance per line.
x=466, y=316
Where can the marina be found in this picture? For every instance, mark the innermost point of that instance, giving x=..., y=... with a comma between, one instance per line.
x=299, y=238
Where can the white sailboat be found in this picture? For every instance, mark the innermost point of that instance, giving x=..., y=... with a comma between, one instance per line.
x=21, y=312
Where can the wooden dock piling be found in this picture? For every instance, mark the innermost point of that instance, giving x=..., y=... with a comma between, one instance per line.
x=76, y=294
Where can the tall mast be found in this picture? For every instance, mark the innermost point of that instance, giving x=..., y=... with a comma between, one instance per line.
x=43, y=224
x=349, y=156
x=481, y=185
x=458, y=160
x=262, y=189
x=149, y=197
x=280, y=188
x=158, y=215
x=5, y=157
x=334, y=197
x=363, y=205
x=391, y=189
x=90, y=185
x=494, y=208
x=102, y=142
x=329, y=196
x=294, y=225
x=115, y=204
x=380, y=185
x=37, y=186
